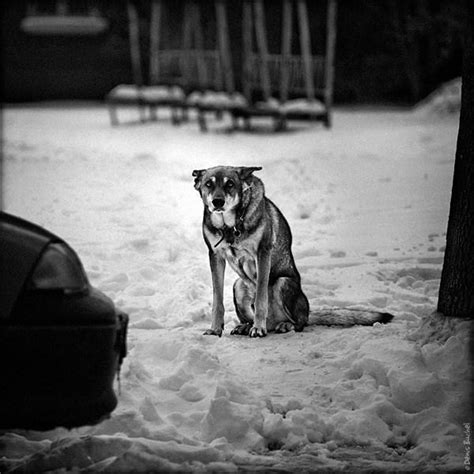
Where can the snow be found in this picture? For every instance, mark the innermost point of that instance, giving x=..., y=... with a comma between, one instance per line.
x=216, y=99
x=445, y=100
x=367, y=202
x=130, y=92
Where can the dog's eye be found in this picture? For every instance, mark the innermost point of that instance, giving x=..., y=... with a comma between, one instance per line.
x=230, y=184
x=208, y=184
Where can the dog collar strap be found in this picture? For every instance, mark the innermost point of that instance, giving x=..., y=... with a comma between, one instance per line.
x=235, y=231
x=220, y=240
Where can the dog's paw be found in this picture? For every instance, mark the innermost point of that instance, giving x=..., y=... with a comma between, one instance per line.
x=213, y=332
x=284, y=327
x=257, y=332
x=241, y=329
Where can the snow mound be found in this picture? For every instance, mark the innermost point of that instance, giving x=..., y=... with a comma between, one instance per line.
x=304, y=106
x=121, y=454
x=216, y=99
x=443, y=101
x=133, y=93
x=162, y=93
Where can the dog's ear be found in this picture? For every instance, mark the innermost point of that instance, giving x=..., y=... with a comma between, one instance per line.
x=198, y=178
x=246, y=171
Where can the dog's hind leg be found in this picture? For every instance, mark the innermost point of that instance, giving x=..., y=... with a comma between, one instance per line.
x=289, y=306
x=244, y=301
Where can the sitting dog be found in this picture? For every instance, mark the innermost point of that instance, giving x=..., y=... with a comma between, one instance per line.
x=243, y=227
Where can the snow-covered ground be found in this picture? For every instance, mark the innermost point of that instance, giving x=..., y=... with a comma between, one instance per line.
x=367, y=202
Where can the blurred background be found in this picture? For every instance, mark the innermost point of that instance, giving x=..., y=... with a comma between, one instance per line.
x=387, y=51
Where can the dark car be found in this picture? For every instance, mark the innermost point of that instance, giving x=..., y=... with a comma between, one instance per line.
x=61, y=340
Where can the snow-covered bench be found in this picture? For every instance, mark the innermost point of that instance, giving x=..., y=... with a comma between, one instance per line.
x=146, y=96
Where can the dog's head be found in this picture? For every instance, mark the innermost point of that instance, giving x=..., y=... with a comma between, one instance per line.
x=221, y=187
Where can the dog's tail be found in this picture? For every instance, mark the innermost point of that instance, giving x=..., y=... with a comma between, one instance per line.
x=347, y=317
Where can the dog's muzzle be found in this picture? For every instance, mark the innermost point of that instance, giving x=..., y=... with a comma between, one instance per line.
x=218, y=204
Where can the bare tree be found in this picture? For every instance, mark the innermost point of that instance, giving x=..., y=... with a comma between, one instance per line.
x=456, y=294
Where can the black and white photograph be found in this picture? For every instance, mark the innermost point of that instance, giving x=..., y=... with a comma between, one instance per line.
x=236, y=236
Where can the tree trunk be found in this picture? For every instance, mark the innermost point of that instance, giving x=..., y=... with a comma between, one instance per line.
x=456, y=294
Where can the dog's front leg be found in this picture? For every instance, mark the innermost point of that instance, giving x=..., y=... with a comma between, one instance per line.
x=217, y=270
x=259, y=328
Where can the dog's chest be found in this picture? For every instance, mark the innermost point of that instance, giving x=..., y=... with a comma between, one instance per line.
x=238, y=249
x=241, y=255
x=242, y=261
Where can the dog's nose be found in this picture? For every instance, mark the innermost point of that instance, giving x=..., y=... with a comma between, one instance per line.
x=218, y=203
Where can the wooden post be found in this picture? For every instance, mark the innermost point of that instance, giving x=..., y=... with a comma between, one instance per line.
x=286, y=48
x=247, y=32
x=199, y=45
x=62, y=8
x=155, y=27
x=185, y=63
x=330, y=55
x=261, y=36
x=305, y=42
x=224, y=46
x=31, y=9
x=113, y=114
x=134, y=37
x=155, y=31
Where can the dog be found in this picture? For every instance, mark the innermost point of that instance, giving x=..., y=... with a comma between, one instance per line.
x=244, y=228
